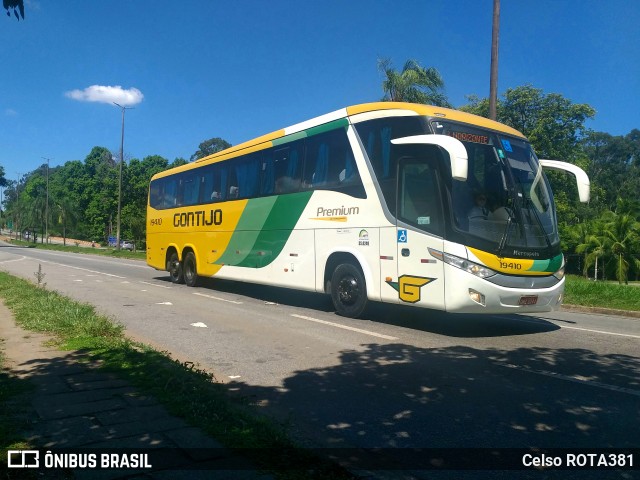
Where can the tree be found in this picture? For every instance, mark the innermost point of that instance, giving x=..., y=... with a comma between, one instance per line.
x=623, y=236
x=16, y=5
x=209, y=147
x=3, y=180
x=414, y=84
x=553, y=123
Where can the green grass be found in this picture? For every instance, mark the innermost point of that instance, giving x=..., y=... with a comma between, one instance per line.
x=107, y=252
x=579, y=291
x=186, y=390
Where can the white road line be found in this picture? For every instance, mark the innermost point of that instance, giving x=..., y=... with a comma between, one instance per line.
x=345, y=327
x=80, y=268
x=600, y=331
x=155, y=284
x=567, y=378
x=217, y=298
x=14, y=260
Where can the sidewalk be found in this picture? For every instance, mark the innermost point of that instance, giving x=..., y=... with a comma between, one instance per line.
x=74, y=405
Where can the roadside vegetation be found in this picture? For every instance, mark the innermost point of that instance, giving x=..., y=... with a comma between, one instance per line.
x=603, y=294
x=107, y=252
x=186, y=390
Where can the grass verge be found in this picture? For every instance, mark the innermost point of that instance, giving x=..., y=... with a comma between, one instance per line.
x=580, y=291
x=185, y=390
x=107, y=252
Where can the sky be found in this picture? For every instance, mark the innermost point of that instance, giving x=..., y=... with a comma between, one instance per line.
x=199, y=69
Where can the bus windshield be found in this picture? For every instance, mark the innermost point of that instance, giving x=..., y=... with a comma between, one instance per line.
x=506, y=198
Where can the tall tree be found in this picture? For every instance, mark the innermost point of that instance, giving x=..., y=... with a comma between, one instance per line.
x=414, y=84
x=3, y=181
x=209, y=147
x=17, y=6
x=622, y=234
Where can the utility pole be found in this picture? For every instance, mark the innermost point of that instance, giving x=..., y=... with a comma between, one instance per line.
x=120, y=175
x=493, y=83
x=46, y=207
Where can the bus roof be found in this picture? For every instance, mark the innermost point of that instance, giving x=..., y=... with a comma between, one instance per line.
x=331, y=119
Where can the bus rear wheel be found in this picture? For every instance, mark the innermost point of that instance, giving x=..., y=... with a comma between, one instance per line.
x=348, y=290
x=175, y=268
x=190, y=270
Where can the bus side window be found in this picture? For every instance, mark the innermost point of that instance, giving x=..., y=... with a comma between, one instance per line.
x=288, y=167
x=170, y=192
x=190, y=189
x=155, y=194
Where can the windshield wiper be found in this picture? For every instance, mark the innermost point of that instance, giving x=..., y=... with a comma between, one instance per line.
x=530, y=206
x=505, y=235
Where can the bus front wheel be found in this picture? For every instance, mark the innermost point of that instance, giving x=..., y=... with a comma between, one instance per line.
x=190, y=270
x=175, y=268
x=348, y=290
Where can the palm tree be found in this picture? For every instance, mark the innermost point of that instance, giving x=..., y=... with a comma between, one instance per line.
x=593, y=248
x=622, y=234
x=414, y=84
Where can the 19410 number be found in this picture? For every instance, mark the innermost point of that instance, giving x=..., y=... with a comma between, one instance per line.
x=156, y=221
x=511, y=265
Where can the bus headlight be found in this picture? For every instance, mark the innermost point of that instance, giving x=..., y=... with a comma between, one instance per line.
x=463, y=264
x=560, y=273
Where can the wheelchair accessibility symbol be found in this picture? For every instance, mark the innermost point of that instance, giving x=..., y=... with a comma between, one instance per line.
x=402, y=236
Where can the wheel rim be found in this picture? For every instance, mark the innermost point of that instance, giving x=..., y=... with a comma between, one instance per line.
x=348, y=290
x=174, y=266
x=188, y=270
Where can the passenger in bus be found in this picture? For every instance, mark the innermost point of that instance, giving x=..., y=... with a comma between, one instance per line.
x=286, y=184
x=480, y=210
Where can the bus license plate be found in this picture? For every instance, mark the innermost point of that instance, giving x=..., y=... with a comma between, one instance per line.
x=528, y=300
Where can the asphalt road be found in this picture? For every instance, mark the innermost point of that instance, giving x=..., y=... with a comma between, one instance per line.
x=400, y=377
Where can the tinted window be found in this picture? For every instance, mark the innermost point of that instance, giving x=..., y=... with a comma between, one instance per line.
x=330, y=165
x=376, y=136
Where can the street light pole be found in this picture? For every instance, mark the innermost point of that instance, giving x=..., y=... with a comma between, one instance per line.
x=46, y=207
x=493, y=82
x=120, y=176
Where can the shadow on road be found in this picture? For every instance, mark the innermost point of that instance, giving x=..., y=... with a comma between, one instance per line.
x=432, y=321
x=399, y=396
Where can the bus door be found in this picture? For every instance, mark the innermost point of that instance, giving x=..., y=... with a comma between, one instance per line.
x=419, y=226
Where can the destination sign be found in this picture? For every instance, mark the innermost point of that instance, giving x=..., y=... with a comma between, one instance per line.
x=470, y=137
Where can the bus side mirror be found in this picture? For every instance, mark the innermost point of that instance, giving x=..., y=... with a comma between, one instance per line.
x=582, y=179
x=455, y=149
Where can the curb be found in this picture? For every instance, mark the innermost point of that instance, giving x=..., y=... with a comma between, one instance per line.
x=601, y=311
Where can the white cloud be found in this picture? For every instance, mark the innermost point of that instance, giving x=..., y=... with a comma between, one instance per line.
x=10, y=112
x=107, y=94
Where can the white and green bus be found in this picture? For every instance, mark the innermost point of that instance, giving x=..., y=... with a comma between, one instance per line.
x=387, y=202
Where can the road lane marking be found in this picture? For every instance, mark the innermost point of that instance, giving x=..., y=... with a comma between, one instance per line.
x=80, y=268
x=154, y=284
x=14, y=260
x=217, y=298
x=567, y=378
x=600, y=331
x=345, y=327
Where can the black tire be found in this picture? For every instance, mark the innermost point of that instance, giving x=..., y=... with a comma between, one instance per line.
x=189, y=269
x=174, y=267
x=348, y=290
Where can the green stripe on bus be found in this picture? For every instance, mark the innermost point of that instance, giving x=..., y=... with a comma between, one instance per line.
x=341, y=122
x=249, y=225
x=550, y=265
x=289, y=138
x=276, y=230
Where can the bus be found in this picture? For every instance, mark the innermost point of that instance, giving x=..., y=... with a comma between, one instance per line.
x=386, y=202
